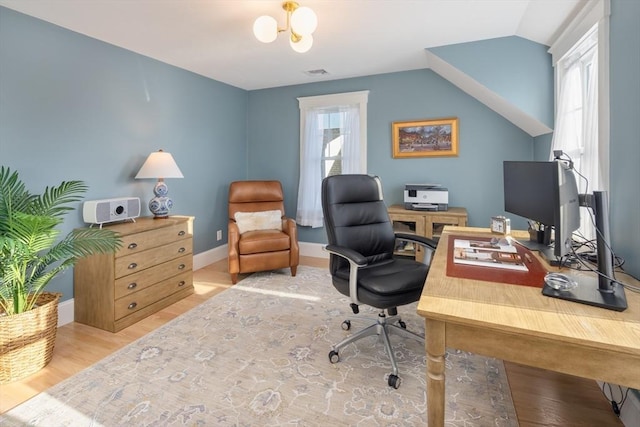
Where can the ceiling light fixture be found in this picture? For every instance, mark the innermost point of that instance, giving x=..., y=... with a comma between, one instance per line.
x=301, y=22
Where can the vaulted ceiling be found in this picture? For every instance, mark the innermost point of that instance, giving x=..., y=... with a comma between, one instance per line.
x=214, y=38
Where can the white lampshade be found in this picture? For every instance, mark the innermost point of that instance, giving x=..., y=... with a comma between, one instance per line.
x=159, y=164
x=303, y=45
x=265, y=28
x=304, y=21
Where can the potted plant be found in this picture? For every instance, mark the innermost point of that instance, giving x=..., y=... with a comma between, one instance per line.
x=31, y=254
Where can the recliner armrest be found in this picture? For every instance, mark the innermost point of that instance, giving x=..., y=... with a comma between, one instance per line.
x=290, y=228
x=232, y=243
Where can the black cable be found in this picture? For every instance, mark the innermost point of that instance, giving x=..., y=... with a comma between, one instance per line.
x=613, y=279
x=618, y=261
x=616, y=406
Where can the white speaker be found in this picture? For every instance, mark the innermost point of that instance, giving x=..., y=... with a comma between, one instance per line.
x=110, y=210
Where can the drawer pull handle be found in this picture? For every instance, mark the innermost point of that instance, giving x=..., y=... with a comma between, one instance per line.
x=132, y=246
x=181, y=250
x=181, y=267
x=132, y=266
x=132, y=285
x=182, y=283
x=132, y=305
x=181, y=233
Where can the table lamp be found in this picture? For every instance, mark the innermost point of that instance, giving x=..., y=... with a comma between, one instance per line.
x=160, y=165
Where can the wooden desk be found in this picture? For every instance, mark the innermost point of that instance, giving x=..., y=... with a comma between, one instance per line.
x=519, y=324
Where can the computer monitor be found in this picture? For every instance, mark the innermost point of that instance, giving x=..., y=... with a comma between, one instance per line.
x=547, y=193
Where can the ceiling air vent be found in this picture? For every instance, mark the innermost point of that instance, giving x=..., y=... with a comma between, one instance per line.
x=318, y=72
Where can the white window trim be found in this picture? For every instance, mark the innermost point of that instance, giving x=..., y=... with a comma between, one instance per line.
x=594, y=12
x=348, y=98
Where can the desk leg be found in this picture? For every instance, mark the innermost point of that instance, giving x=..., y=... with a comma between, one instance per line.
x=435, y=347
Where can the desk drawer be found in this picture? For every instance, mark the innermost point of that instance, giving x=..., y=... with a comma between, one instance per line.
x=139, y=300
x=449, y=220
x=139, y=261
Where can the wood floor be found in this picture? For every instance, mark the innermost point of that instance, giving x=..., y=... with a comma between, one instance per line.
x=542, y=398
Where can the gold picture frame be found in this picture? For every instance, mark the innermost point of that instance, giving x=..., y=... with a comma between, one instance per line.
x=425, y=138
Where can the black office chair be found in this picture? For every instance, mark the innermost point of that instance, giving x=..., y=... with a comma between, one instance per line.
x=362, y=263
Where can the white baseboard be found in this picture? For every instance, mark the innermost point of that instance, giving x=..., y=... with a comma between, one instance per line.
x=65, y=312
x=205, y=258
x=201, y=260
x=313, y=250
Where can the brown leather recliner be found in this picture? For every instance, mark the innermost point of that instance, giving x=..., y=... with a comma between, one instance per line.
x=261, y=249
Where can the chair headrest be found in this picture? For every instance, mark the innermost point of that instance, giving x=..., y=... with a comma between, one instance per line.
x=352, y=188
x=255, y=191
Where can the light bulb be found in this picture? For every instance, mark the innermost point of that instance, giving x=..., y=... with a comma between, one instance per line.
x=265, y=28
x=304, y=21
x=303, y=45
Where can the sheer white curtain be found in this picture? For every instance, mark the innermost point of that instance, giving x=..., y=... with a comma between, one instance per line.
x=351, y=162
x=576, y=132
x=309, y=212
x=568, y=130
x=591, y=166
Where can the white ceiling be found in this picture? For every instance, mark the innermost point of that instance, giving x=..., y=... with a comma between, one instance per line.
x=214, y=38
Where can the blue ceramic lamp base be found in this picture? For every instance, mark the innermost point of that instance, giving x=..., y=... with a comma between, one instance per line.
x=161, y=204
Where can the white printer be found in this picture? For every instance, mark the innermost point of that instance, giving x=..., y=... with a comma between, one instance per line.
x=426, y=197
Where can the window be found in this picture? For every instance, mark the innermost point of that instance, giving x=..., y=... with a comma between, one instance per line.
x=580, y=58
x=333, y=140
x=334, y=132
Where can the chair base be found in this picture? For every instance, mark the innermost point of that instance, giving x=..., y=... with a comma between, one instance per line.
x=383, y=327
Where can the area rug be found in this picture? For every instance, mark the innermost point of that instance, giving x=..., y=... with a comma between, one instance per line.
x=257, y=355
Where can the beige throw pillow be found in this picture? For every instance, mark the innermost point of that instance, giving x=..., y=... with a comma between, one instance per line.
x=265, y=220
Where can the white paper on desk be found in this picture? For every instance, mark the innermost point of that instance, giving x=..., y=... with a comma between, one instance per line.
x=487, y=254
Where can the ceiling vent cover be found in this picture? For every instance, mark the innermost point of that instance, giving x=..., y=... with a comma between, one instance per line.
x=318, y=72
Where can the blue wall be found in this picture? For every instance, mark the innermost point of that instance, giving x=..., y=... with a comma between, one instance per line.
x=474, y=178
x=72, y=107
x=517, y=69
x=625, y=132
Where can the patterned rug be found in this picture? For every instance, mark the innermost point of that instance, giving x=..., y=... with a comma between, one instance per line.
x=257, y=355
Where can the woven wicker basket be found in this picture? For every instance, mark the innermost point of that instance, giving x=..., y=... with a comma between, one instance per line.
x=27, y=339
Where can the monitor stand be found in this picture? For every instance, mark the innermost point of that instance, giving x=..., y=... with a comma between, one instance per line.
x=546, y=251
x=588, y=292
x=602, y=290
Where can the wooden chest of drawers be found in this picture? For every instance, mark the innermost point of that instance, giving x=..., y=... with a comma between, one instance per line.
x=152, y=269
x=424, y=223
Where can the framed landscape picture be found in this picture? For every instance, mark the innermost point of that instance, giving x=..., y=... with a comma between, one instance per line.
x=425, y=138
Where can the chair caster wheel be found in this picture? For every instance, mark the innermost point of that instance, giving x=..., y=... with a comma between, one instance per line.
x=394, y=381
x=346, y=325
x=402, y=324
x=334, y=357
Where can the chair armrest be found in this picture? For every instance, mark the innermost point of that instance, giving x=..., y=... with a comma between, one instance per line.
x=290, y=228
x=289, y=225
x=356, y=261
x=232, y=244
x=354, y=257
x=429, y=245
x=424, y=241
